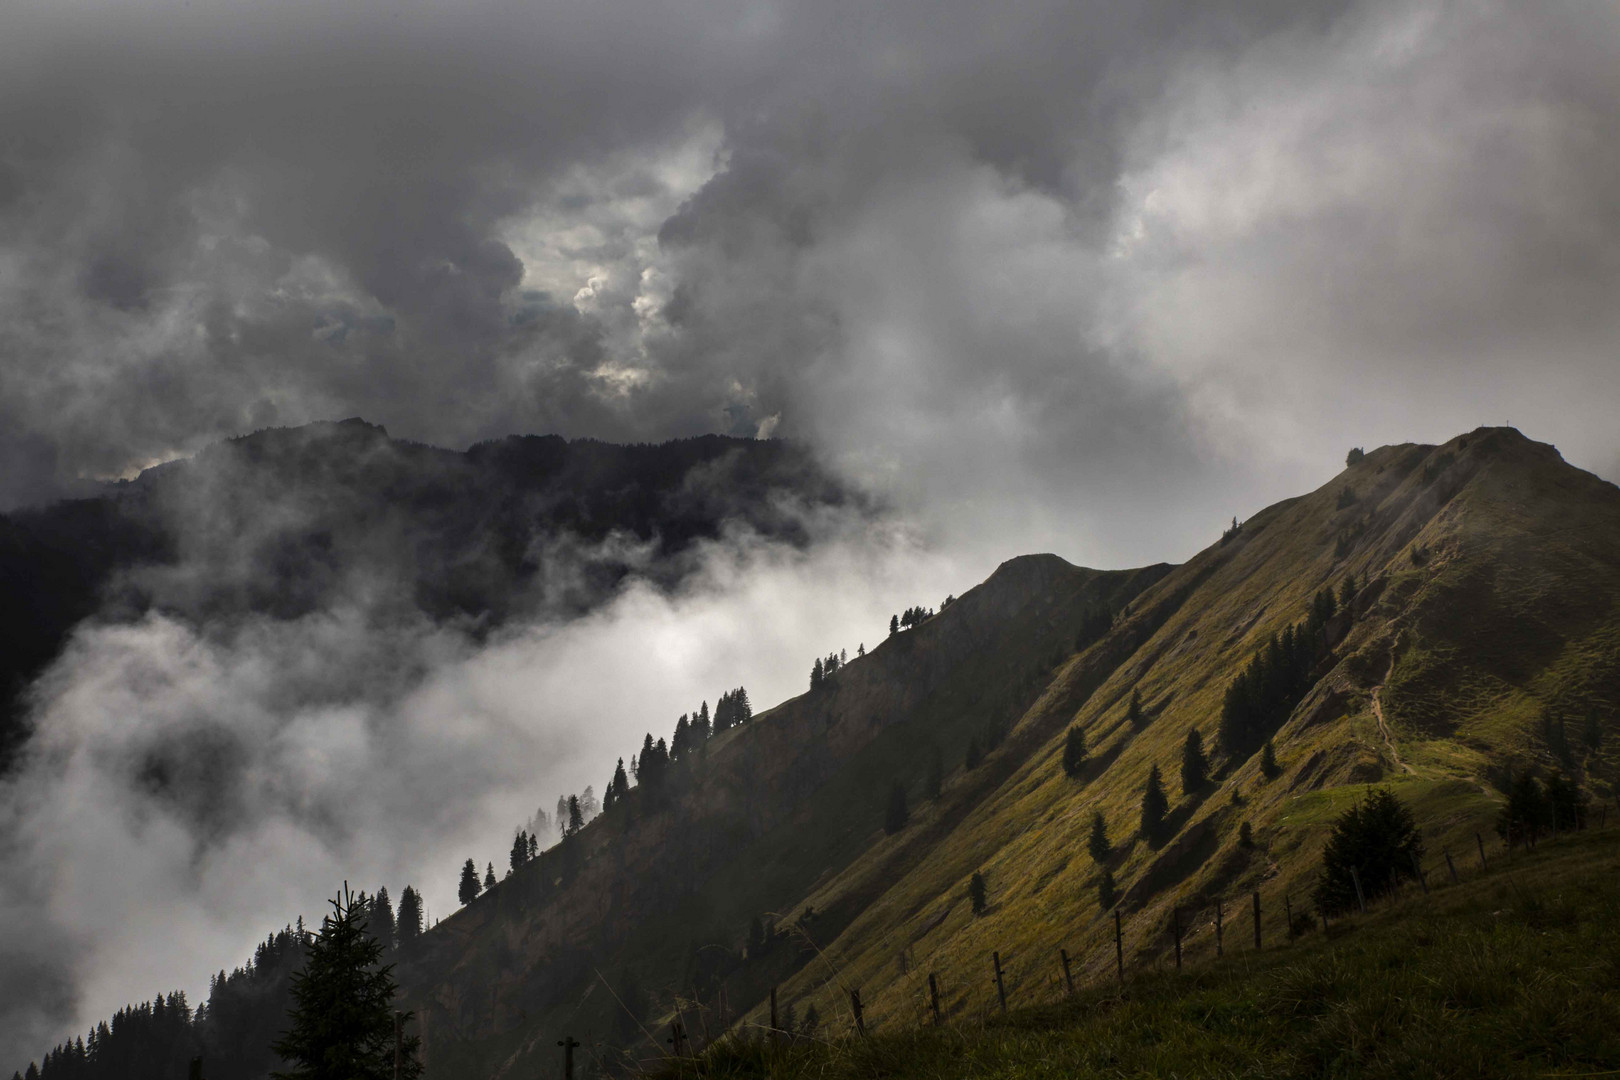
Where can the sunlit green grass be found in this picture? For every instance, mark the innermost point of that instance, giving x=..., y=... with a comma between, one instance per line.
x=1515, y=972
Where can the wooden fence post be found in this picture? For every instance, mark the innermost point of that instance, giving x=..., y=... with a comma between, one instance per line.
x=1451, y=866
x=1417, y=867
x=933, y=996
x=1175, y=923
x=1257, y=920
x=855, y=1009
x=1219, y=947
x=1119, y=949
x=1361, y=898
x=568, y=1043
x=1482, y=864
x=1068, y=976
x=1001, y=989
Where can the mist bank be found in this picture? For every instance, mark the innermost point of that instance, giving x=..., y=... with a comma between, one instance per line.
x=197, y=777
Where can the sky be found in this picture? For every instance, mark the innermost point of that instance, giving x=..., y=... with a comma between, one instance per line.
x=1047, y=275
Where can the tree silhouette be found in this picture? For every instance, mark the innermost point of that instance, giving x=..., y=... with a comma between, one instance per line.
x=1097, y=844
x=576, y=815
x=894, y=625
x=342, y=1020
x=1154, y=806
x=1378, y=838
x=977, y=895
x=817, y=675
x=382, y=918
x=489, y=877
x=470, y=886
x=1194, y=765
x=1074, y=752
x=1133, y=711
x=1268, y=761
x=409, y=923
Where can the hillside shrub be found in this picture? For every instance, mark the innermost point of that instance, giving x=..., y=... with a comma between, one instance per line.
x=1355, y=456
x=1074, y=752
x=1379, y=839
x=977, y=894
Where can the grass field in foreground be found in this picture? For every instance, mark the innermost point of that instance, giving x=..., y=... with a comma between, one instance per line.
x=1514, y=972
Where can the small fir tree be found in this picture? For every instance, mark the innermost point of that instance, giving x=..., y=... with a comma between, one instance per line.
x=1154, y=806
x=489, y=877
x=1379, y=839
x=1097, y=844
x=977, y=895
x=341, y=1026
x=1268, y=761
x=1347, y=594
x=1245, y=835
x=894, y=625
x=576, y=816
x=1074, y=752
x=382, y=918
x=470, y=886
x=817, y=675
x=1194, y=764
x=408, y=924
x=896, y=815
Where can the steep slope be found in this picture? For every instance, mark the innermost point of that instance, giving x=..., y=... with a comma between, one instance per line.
x=1484, y=629
x=655, y=900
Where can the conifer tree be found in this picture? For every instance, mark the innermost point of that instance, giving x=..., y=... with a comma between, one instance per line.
x=621, y=783
x=1133, y=711
x=1376, y=837
x=489, y=876
x=1154, y=806
x=470, y=886
x=817, y=675
x=534, y=846
x=409, y=922
x=896, y=815
x=576, y=815
x=1194, y=765
x=1074, y=752
x=1097, y=844
x=679, y=741
x=701, y=729
x=520, y=851
x=1347, y=594
x=894, y=625
x=382, y=918
x=745, y=711
x=977, y=894
x=342, y=1019
x=1268, y=761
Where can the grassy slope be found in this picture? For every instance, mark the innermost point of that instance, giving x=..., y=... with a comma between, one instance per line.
x=1515, y=972
x=775, y=806
x=1512, y=617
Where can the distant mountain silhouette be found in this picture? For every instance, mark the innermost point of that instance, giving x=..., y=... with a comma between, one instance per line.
x=287, y=521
